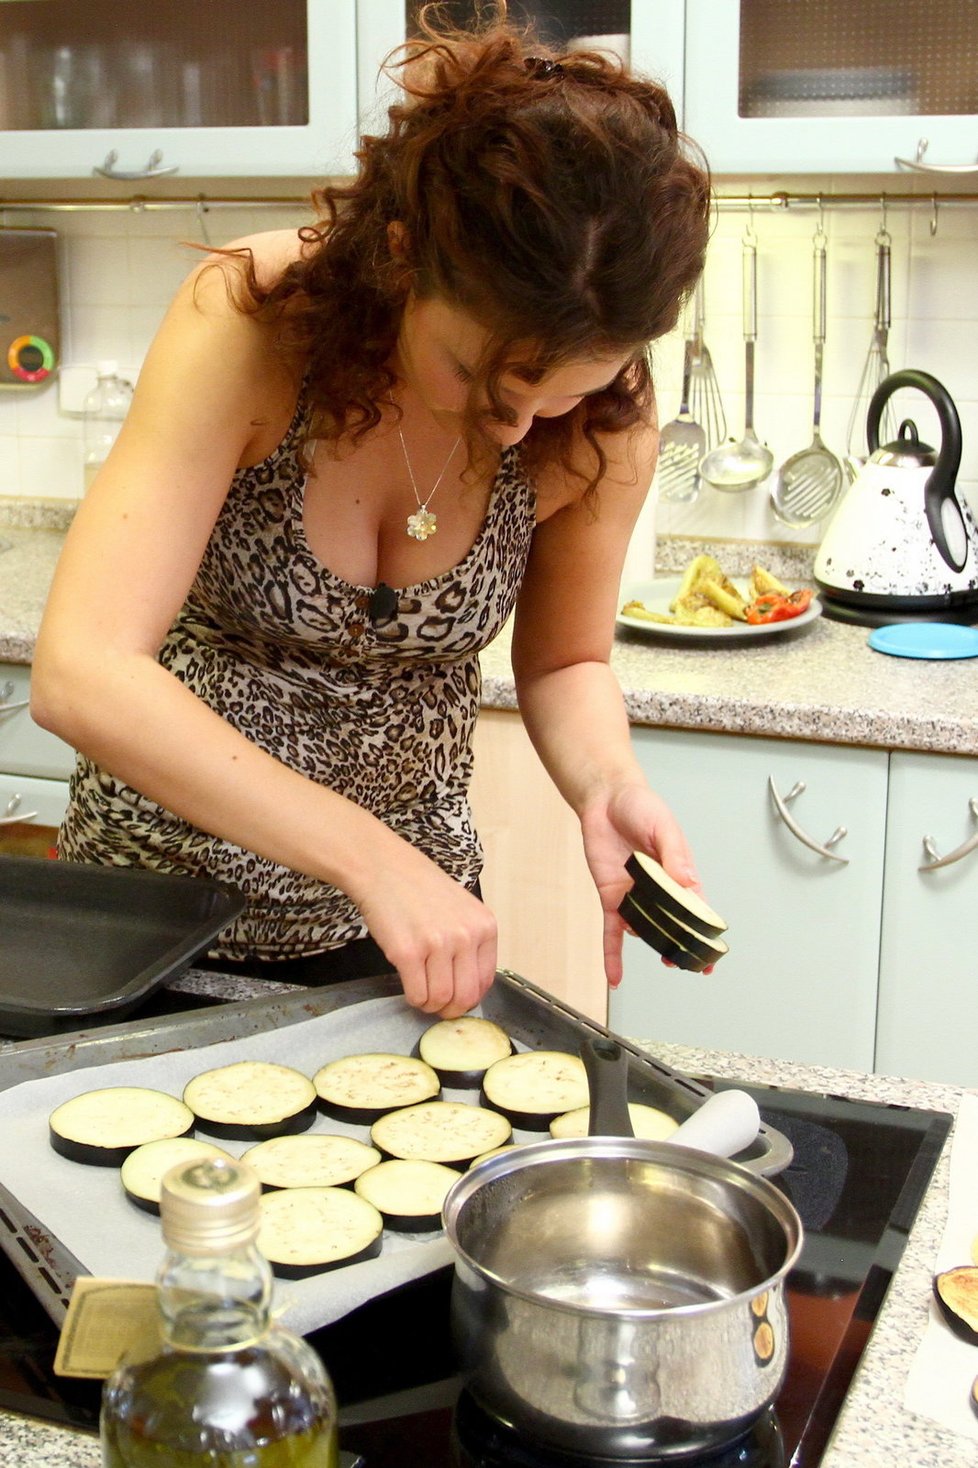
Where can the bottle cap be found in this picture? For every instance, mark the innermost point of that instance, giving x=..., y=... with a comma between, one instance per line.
x=109, y=367
x=210, y=1207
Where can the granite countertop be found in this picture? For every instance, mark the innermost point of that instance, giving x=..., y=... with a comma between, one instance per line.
x=873, y=1427
x=819, y=682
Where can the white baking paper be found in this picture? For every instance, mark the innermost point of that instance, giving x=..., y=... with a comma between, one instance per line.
x=85, y=1207
x=944, y=1367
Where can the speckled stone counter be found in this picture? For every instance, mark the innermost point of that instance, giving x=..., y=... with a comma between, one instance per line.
x=820, y=681
x=873, y=1428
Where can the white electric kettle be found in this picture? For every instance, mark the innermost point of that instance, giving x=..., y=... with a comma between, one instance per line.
x=901, y=546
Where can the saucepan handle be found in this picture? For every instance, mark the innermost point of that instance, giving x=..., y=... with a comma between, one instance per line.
x=606, y=1064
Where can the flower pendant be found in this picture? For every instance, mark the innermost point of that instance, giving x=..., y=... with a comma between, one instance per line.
x=422, y=523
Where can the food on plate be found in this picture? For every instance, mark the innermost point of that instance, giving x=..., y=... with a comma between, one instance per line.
x=309, y=1230
x=101, y=1127
x=708, y=598
x=776, y=606
x=462, y=1049
x=654, y=889
x=408, y=1192
x=311, y=1160
x=440, y=1131
x=252, y=1098
x=143, y=1170
x=364, y=1087
x=533, y=1087
x=956, y=1292
x=648, y=1122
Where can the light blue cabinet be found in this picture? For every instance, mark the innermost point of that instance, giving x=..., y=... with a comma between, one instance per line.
x=228, y=88
x=800, y=979
x=834, y=87
x=929, y=959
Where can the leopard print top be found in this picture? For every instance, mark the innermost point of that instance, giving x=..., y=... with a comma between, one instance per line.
x=287, y=653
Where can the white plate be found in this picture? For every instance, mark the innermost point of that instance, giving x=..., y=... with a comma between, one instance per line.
x=656, y=596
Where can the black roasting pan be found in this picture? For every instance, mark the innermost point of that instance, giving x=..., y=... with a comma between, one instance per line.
x=79, y=940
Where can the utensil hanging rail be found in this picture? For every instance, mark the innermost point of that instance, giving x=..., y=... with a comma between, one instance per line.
x=779, y=200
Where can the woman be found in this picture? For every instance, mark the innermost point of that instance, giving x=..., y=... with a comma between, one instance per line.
x=352, y=450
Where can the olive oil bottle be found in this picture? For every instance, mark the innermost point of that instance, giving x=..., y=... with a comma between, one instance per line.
x=227, y=1387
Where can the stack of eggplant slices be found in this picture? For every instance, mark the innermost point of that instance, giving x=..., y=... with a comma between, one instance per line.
x=672, y=919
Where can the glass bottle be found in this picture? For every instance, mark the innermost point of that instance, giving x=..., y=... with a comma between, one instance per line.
x=227, y=1387
x=103, y=411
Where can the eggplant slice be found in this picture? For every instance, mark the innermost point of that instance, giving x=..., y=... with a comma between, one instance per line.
x=694, y=955
x=310, y=1230
x=535, y=1086
x=648, y=1122
x=409, y=1193
x=312, y=1160
x=252, y=1098
x=101, y=1127
x=654, y=889
x=440, y=1131
x=143, y=1170
x=363, y=1088
x=956, y=1293
x=462, y=1050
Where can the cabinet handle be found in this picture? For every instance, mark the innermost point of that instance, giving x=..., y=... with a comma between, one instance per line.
x=917, y=164
x=13, y=815
x=153, y=167
x=965, y=849
x=781, y=805
x=6, y=689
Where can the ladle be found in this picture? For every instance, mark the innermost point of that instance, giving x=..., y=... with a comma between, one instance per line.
x=740, y=465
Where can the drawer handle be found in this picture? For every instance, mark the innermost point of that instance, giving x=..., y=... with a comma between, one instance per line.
x=781, y=805
x=6, y=689
x=965, y=849
x=13, y=815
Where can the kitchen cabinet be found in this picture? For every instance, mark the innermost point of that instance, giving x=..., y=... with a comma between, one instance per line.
x=229, y=88
x=34, y=771
x=648, y=32
x=535, y=878
x=800, y=978
x=832, y=87
x=930, y=921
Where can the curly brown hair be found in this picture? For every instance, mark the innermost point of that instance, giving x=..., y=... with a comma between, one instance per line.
x=550, y=196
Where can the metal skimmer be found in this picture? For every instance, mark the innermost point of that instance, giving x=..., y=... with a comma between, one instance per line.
x=682, y=443
x=704, y=392
x=808, y=484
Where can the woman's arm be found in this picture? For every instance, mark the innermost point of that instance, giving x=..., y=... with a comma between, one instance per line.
x=568, y=696
x=200, y=410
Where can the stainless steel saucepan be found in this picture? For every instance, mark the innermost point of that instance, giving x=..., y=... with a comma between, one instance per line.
x=621, y=1297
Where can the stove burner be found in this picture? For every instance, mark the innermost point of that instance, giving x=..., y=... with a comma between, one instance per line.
x=480, y=1440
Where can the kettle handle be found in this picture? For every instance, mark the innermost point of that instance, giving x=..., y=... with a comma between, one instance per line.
x=939, y=489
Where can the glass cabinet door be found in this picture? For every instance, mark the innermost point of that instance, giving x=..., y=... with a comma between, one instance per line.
x=834, y=86
x=76, y=76
x=648, y=33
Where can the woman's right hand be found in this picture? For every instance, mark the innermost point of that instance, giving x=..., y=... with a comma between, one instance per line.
x=438, y=936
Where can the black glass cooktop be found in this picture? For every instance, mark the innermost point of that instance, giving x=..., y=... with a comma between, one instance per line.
x=857, y=1179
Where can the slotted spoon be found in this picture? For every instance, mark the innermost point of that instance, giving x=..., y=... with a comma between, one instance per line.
x=705, y=402
x=808, y=484
x=682, y=443
x=737, y=465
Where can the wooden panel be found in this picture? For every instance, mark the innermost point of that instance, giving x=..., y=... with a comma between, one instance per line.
x=536, y=879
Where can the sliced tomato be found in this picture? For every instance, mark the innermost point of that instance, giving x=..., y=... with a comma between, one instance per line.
x=776, y=607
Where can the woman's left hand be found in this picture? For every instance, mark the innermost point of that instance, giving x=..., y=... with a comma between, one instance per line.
x=632, y=818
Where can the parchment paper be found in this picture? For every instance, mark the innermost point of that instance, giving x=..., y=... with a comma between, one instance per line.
x=85, y=1207
x=944, y=1367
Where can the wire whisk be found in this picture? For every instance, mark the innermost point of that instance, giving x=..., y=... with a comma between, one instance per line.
x=876, y=368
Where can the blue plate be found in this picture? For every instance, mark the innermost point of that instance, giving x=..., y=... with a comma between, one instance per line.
x=925, y=640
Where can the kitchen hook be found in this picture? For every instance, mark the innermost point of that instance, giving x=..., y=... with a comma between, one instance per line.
x=933, y=215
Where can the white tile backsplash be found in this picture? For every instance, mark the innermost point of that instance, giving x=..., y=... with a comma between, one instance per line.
x=119, y=270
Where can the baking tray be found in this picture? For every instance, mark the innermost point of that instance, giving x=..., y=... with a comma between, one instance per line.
x=81, y=940
x=533, y=1018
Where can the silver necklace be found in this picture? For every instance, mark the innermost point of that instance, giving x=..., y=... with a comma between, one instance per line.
x=421, y=523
